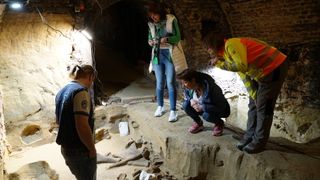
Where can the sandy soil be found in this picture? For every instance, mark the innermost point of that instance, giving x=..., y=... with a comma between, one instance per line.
x=51, y=154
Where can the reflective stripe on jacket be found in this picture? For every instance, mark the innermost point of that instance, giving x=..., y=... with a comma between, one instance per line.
x=252, y=59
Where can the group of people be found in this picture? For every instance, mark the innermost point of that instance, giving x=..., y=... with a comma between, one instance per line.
x=261, y=67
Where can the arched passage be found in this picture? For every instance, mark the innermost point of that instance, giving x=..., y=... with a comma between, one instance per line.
x=121, y=46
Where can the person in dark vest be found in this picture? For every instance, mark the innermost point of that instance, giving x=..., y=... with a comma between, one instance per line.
x=262, y=69
x=74, y=115
x=203, y=97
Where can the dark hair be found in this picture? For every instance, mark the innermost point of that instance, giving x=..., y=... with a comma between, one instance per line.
x=189, y=74
x=157, y=8
x=213, y=40
x=82, y=71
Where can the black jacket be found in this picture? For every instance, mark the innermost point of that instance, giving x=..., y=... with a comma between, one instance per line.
x=213, y=100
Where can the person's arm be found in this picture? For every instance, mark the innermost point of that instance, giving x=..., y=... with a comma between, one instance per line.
x=176, y=36
x=234, y=57
x=207, y=102
x=249, y=84
x=81, y=110
x=85, y=134
x=226, y=65
x=213, y=100
x=152, y=41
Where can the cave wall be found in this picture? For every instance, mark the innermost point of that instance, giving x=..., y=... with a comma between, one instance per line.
x=2, y=138
x=34, y=63
x=277, y=22
x=196, y=16
x=2, y=127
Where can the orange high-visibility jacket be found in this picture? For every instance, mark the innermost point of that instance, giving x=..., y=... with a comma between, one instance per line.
x=252, y=59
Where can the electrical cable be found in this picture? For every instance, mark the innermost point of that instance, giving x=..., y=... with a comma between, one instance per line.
x=46, y=23
x=101, y=9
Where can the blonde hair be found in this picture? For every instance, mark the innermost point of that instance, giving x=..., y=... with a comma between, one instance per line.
x=82, y=71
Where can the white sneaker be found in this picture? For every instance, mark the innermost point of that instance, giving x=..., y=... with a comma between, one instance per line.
x=159, y=112
x=173, y=116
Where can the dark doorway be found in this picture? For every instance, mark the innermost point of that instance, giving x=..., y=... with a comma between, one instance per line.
x=121, y=48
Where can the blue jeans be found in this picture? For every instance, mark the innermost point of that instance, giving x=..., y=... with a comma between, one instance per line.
x=80, y=164
x=165, y=70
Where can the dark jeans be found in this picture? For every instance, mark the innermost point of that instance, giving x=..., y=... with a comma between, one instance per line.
x=260, y=114
x=208, y=116
x=80, y=164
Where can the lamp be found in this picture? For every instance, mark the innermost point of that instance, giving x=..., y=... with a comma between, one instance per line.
x=15, y=5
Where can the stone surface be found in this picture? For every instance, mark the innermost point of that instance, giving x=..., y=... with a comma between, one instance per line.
x=184, y=155
x=116, y=113
x=37, y=170
x=35, y=60
x=203, y=156
x=33, y=63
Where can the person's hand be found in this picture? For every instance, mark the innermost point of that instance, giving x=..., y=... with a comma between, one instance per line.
x=193, y=102
x=198, y=108
x=163, y=40
x=213, y=61
x=153, y=42
x=92, y=153
x=196, y=105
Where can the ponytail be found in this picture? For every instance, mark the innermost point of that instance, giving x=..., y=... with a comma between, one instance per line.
x=81, y=71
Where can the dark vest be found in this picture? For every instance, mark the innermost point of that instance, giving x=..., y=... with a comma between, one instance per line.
x=67, y=135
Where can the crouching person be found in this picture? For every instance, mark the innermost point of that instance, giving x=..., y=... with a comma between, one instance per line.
x=203, y=97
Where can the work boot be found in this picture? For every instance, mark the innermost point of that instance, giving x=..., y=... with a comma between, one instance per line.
x=195, y=128
x=253, y=148
x=159, y=112
x=242, y=143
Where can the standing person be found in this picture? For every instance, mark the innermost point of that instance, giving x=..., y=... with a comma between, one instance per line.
x=74, y=114
x=262, y=69
x=163, y=34
x=203, y=97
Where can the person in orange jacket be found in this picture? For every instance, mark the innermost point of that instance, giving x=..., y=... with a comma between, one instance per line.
x=262, y=69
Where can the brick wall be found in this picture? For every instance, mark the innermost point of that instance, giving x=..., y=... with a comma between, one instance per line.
x=191, y=14
x=279, y=22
